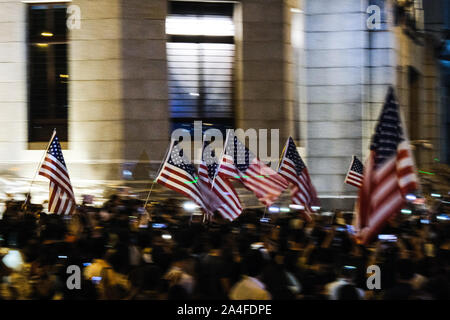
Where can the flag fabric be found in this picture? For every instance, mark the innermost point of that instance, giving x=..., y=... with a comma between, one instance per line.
x=296, y=173
x=231, y=207
x=180, y=175
x=61, y=197
x=241, y=164
x=355, y=173
x=389, y=173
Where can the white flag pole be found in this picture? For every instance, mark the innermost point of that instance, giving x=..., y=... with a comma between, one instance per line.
x=221, y=158
x=39, y=168
x=158, y=172
x=280, y=160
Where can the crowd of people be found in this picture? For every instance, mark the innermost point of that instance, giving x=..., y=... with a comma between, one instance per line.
x=126, y=252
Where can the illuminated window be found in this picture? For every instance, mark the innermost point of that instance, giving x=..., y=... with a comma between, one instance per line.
x=200, y=54
x=47, y=71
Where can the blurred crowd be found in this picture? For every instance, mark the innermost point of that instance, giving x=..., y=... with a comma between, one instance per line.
x=126, y=252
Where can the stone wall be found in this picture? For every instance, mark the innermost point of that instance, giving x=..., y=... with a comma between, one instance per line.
x=118, y=99
x=264, y=85
x=96, y=128
x=13, y=87
x=119, y=112
x=307, y=67
x=335, y=52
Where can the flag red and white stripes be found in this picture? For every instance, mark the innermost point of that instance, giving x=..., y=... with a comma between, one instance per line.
x=388, y=175
x=354, y=175
x=241, y=164
x=179, y=174
x=296, y=173
x=61, y=196
x=231, y=207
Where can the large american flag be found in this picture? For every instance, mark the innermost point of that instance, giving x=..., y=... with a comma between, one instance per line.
x=180, y=175
x=61, y=197
x=388, y=175
x=222, y=188
x=355, y=173
x=294, y=170
x=241, y=164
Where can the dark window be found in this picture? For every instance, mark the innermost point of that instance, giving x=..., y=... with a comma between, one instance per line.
x=200, y=54
x=47, y=72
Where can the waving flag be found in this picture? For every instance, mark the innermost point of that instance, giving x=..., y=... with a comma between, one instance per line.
x=231, y=206
x=388, y=175
x=180, y=175
x=61, y=197
x=355, y=173
x=294, y=170
x=239, y=163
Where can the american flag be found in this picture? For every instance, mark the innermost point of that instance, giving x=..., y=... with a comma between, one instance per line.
x=222, y=188
x=355, y=173
x=180, y=175
x=61, y=197
x=294, y=170
x=239, y=163
x=388, y=175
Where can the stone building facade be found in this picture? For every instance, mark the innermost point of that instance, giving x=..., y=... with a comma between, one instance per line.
x=311, y=68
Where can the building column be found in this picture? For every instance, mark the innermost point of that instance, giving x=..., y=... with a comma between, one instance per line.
x=96, y=128
x=13, y=90
x=118, y=123
x=335, y=50
x=263, y=82
x=145, y=103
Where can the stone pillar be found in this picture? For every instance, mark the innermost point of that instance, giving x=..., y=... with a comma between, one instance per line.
x=431, y=117
x=264, y=98
x=418, y=53
x=13, y=87
x=380, y=69
x=144, y=86
x=96, y=128
x=118, y=90
x=335, y=49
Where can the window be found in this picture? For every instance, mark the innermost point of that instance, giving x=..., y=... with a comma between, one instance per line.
x=200, y=54
x=47, y=72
